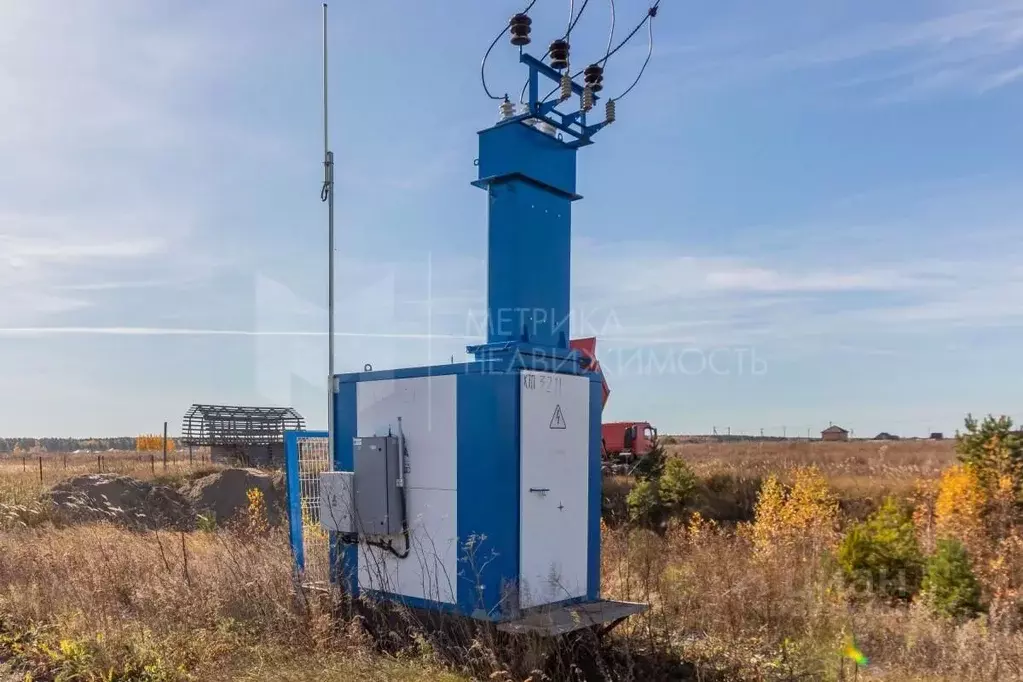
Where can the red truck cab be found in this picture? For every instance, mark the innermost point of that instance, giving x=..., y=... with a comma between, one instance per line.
x=628, y=439
x=622, y=443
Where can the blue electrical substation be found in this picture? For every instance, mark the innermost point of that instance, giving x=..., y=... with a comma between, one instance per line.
x=475, y=488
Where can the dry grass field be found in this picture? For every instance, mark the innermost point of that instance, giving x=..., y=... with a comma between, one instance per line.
x=890, y=463
x=98, y=602
x=743, y=568
x=860, y=472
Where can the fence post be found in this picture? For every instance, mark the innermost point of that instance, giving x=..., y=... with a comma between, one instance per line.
x=99, y=464
x=152, y=461
x=165, y=446
x=40, y=468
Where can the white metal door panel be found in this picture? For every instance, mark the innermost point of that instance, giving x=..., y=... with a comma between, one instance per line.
x=554, y=479
x=430, y=570
x=429, y=418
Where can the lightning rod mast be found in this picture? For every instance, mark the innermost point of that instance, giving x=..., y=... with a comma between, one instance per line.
x=327, y=195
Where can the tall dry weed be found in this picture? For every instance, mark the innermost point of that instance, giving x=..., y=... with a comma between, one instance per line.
x=196, y=599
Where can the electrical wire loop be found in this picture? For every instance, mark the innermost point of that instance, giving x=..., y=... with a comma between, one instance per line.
x=575, y=21
x=611, y=33
x=649, y=54
x=519, y=27
x=486, y=55
x=650, y=14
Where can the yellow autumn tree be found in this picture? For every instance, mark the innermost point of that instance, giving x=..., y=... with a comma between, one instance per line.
x=960, y=506
x=811, y=506
x=804, y=514
x=152, y=443
x=767, y=515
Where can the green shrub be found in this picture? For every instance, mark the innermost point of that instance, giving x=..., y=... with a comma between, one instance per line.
x=881, y=555
x=644, y=503
x=207, y=523
x=949, y=583
x=651, y=466
x=677, y=483
x=992, y=448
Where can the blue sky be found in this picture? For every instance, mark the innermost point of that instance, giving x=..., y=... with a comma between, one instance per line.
x=833, y=189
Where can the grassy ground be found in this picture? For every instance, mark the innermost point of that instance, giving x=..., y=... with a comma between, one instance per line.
x=861, y=473
x=97, y=602
x=24, y=477
x=853, y=468
x=217, y=605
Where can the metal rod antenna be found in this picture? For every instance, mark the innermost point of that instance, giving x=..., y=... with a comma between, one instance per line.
x=327, y=194
x=326, y=142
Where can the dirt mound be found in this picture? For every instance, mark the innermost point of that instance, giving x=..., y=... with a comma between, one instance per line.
x=122, y=500
x=224, y=494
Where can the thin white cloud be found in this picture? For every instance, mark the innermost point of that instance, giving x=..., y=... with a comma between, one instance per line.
x=671, y=299
x=98, y=187
x=956, y=48
x=26, y=251
x=763, y=280
x=771, y=297
x=39, y=252
x=1001, y=79
x=116, y=285
x=175, y=331
x=658, y=274
x=639, y=337
x=972, y=35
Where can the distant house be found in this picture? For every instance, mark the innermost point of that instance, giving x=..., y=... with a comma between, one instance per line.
x=834, y=433
x=884, y=435
x=937, y=435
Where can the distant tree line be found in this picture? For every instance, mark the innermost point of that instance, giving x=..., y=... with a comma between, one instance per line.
x=17, y=445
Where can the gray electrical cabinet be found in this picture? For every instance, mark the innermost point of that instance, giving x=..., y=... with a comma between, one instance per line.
x=377, y=495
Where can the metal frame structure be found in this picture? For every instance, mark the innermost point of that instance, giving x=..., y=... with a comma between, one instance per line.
x=235, y=425
x=573, y=123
